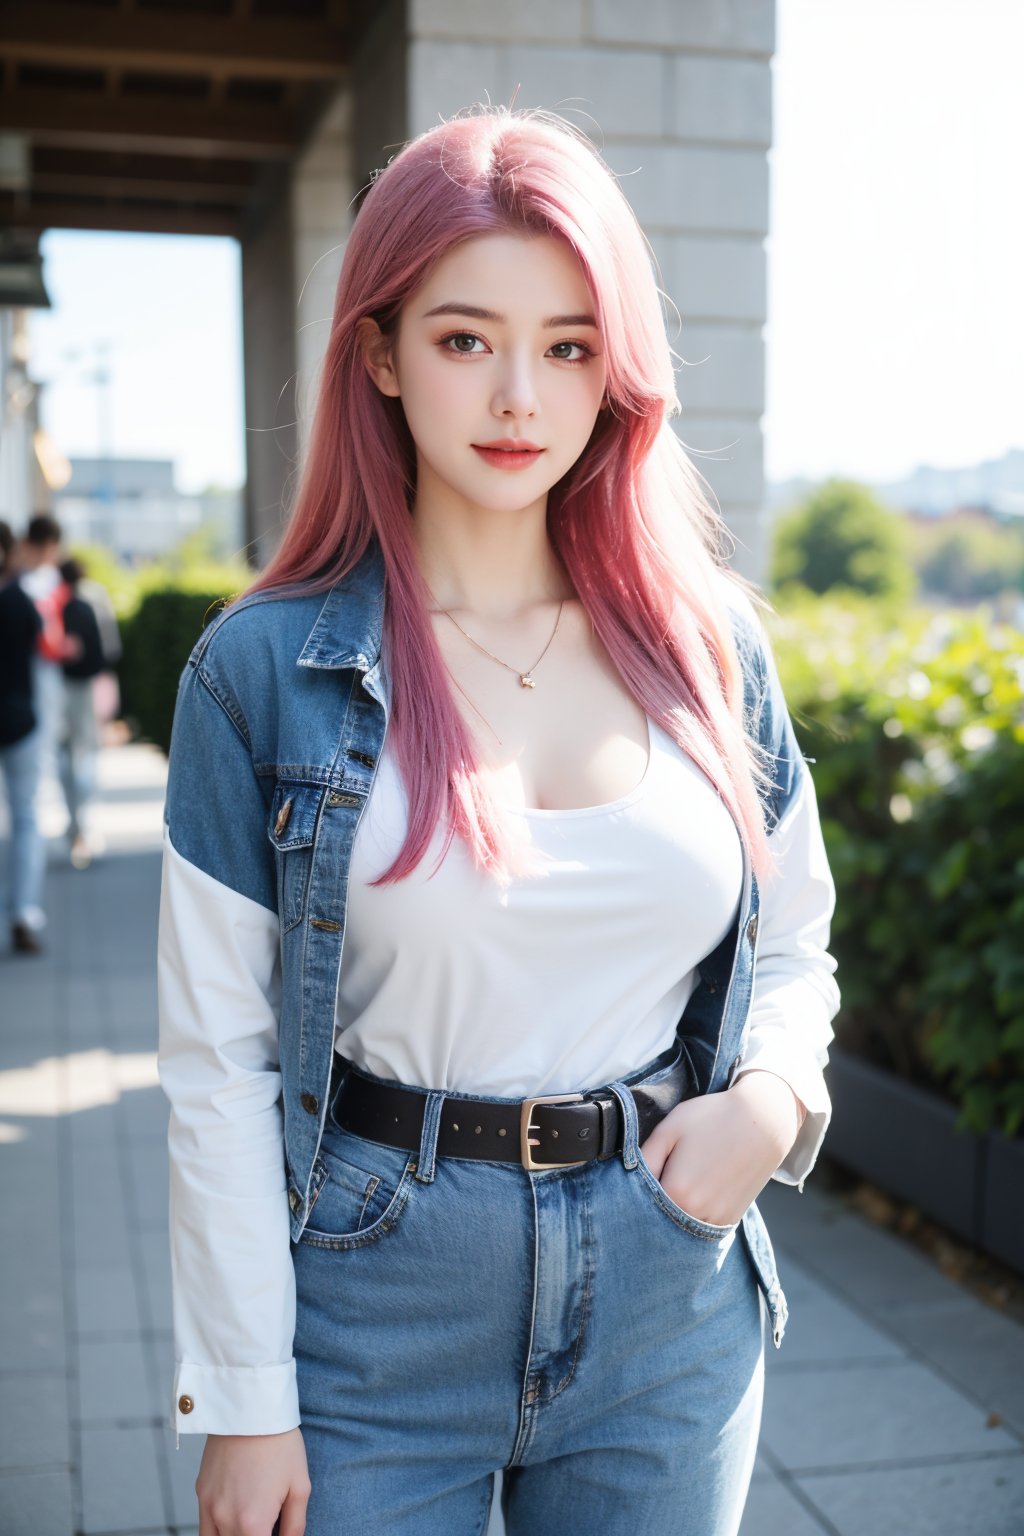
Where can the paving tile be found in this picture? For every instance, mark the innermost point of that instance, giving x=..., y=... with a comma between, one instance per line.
x=156, y=1264
x=965, y=1498
x=105, y=1300
x=143, y=1113
x=772, y=1510
x=121, y=1481
x=32, y=1336
x=797, y=1282
x=183, y=1466
x=822, y=1329
x=980, y=1349
x=33, y=1422
x=865, y=1264
x=36, y=1503
x=160, y=1362
x=113, y=1383
x=100, y=1223
x=868, y=1414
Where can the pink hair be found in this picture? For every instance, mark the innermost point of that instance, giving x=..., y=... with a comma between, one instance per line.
x=639, y=539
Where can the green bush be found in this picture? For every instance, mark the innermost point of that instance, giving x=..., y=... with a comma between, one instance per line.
x=157, y=641
x=842, y=536
x=917, y=732
x=969, y=558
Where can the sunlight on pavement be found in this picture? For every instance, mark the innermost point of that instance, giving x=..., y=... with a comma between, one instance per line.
x=61, y=1085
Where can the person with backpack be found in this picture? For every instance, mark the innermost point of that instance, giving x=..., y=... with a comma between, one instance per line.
x=20, y=628
x=79, y=742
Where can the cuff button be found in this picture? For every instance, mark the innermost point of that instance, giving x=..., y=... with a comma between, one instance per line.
x=185, y=1403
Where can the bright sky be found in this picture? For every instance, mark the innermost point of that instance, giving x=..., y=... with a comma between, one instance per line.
x=168, y=309
x=896, y=303
x=896, y=306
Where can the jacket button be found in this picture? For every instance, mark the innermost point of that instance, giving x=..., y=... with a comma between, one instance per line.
x=310, y=1103
x=752, y=928
x=294, y=1199
x=185, y=1404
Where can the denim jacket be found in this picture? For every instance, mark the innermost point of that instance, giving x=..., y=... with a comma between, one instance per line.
x=280, y=720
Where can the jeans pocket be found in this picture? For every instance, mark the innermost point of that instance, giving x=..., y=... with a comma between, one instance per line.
x=706, y=1231
x=361, y=1190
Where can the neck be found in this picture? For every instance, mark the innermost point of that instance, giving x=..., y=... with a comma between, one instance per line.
x=492, y=564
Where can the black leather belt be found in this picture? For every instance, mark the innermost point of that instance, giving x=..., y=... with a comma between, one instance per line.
x=552, y=1131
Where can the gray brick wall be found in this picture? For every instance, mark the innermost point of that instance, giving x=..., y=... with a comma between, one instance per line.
x=678, y=98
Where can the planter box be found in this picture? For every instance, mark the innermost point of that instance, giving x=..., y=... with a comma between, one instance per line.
x=1002, y=1221
x=902, y=1138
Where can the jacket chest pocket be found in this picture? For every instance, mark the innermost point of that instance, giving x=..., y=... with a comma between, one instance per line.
x=294, y=811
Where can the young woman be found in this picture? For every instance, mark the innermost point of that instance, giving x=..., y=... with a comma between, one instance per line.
x=493, y=968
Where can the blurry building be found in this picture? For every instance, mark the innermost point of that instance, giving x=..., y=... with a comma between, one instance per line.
x=263, y=120
x=132, y=509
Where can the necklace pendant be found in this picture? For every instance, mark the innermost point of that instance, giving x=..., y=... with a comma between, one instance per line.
x=526, y=681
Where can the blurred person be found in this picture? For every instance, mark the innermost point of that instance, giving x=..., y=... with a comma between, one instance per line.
x=40, y=578
x=79, y=739
x=493, y=969
x=20, y=628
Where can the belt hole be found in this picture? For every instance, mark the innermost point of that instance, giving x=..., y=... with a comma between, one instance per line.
x=478, y=1129
x=455, y=1125
x=502, y=1131
x=554, y=1135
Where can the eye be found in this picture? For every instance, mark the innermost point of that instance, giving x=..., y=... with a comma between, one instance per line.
x=562, y=349
x=456, y=341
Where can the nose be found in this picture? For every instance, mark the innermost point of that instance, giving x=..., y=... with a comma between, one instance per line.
x=515, y=395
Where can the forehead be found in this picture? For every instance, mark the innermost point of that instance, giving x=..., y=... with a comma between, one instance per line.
x=532, y=273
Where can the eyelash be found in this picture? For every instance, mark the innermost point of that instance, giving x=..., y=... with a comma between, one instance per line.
x=571, y=362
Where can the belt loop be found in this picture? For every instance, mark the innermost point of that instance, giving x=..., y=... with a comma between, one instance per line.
x=428, y=1137
x=630, y=1129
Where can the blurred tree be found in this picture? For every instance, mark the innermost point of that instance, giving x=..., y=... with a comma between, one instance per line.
x=842, y=536
x=968, y=558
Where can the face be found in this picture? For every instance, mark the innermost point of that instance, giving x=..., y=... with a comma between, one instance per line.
x=497, y=362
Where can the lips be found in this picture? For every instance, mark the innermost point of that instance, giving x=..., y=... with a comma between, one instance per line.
x=509, y=453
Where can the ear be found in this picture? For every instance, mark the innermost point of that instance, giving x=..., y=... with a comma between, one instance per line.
x=378, y=356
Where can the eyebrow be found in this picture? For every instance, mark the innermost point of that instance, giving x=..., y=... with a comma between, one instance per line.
x=473, y=312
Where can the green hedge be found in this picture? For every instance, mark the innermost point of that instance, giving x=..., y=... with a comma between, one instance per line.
x=917, y=727
x=158, y=637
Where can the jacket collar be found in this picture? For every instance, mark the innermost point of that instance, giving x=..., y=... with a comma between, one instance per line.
x=348, y=629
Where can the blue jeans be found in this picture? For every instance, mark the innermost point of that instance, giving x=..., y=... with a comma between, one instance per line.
x=26, y=864
x=573, y=1327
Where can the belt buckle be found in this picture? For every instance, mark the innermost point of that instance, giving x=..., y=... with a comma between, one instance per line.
x=526, y=1142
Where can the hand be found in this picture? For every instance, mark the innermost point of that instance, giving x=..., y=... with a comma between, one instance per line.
x=715, y=1153
x=246, y=1481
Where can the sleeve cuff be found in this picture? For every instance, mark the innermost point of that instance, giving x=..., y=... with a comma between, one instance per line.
x=802, y=1073
x=235, y=1400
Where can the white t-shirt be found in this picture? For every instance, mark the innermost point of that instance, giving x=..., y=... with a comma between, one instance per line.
x=563, y=981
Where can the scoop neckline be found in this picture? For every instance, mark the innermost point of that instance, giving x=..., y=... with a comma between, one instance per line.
x=573, y=812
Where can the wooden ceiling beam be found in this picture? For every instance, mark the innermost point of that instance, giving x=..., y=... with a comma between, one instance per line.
x=82, y=120
x=291, y=48
x=76, y=185
x=235, y=176
x=37, y=214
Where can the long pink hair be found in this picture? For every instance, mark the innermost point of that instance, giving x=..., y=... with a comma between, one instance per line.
x=638, y=537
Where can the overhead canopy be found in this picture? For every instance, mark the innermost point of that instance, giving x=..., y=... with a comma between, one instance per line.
x=163, y=116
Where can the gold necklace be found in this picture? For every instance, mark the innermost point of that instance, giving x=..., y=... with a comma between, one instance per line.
x=526, y=679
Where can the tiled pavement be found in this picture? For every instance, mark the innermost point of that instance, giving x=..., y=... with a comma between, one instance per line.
x=895, y=1406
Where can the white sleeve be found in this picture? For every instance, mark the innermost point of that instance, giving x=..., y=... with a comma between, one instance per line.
x=233, y=1285
x=795, y=996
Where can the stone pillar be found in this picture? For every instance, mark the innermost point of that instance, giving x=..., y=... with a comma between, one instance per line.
x=678, y=98
x=322, y=192
x=268, y=343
